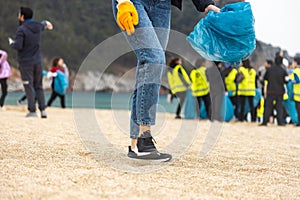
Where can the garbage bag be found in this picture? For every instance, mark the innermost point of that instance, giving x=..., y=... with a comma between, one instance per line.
x=227, y=36
x=189, y=108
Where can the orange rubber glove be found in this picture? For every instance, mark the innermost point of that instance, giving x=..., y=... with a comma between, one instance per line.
x=127, y=17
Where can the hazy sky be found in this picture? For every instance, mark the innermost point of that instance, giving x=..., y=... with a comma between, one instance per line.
x=277, y=23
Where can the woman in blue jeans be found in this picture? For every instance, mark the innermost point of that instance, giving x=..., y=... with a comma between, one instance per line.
x=147, y=25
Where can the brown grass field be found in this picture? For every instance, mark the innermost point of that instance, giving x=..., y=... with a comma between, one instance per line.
x=46, y=159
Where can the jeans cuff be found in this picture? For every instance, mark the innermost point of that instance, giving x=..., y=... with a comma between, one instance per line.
x=146, y=122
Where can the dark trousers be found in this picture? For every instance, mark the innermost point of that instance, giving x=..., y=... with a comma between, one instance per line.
x=181, y=97
x=33, y=84
x=298, y=111
x=217, y=100
x=53, y=97
x=242, y=107
x=234, y=101
x=206, y=100
x=268, y=109
x=3, y=83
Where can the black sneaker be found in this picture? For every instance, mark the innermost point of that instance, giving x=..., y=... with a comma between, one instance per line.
x=177, y=117
x=262, y=124
x=145, y=143
x=146, y=150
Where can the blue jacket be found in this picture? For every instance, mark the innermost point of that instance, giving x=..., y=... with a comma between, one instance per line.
x=199, y=4
x=61, y=83
x=28, y=43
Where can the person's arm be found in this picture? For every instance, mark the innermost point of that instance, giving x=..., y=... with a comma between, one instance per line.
x=3, y=56
x=205, y=5
x=286, y=77
x=186, y=77
x=18, y=43
x=266, y=76
x=66, y=70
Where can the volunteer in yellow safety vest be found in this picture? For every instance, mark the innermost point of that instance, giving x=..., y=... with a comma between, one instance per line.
x=246, y=89
x=295, y=77
x=179, y=82
x=200, y=89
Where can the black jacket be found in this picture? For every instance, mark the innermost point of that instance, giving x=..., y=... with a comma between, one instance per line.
x=275, y=76
x=28, y=43
x=199, y=4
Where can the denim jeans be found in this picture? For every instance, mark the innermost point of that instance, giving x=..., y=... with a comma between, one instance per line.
x=149, y=43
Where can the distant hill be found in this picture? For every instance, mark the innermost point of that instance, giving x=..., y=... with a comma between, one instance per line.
x=81, y=25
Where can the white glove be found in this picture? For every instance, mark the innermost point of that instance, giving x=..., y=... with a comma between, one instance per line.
x=49, y=25
x=10, y=41
x=286, y=78
x=50, y=74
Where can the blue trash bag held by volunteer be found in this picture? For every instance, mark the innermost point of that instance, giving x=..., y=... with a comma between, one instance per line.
x=289, y=104
x=256, y=101
x=61, y=83
x=227, y=36
x=227, y=110
x=189, y=106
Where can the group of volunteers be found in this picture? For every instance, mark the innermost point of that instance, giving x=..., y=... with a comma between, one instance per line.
x=146, y=27
x=262, y=92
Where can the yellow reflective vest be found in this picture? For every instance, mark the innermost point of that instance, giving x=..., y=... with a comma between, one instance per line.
x=260, y=108
x=296, y=86
x=230, y=81
x=175, y=79
x=247, y=86
x=200, y=85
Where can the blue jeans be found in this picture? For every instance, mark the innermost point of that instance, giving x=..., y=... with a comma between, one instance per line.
x=149, y=43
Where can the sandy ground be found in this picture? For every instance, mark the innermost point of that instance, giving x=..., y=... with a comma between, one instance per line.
x=50, y=159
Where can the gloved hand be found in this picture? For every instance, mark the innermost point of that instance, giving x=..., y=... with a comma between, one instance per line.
x=48, y=25
x=10, y=41
x=127, y=16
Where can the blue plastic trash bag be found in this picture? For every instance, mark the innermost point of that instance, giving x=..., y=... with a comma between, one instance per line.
x=227, y=109
x=256, y=101
x=289, y=104
x=290, y=108
x=227, y=36
x=189, y=108
x=203, y=114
